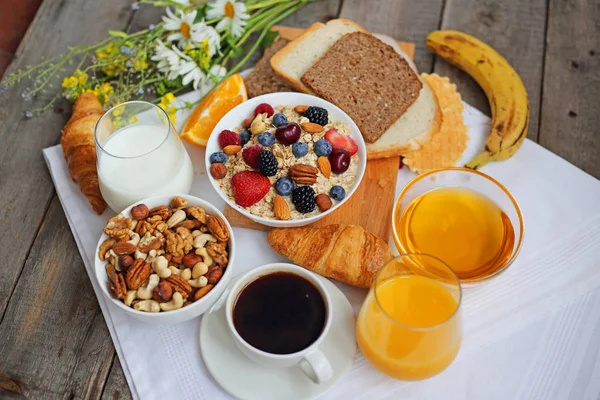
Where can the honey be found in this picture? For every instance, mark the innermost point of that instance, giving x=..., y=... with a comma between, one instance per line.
x=463, y=228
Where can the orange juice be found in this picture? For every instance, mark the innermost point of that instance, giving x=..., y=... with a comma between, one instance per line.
x=412, y=330
x=463, y=228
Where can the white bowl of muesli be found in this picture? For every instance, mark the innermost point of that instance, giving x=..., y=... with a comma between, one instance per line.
x=165, y=259
x=286, y=159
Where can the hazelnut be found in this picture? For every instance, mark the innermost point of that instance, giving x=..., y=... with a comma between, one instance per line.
x=214, y=275
x=323, y=202
x=191, y=259
x=247, y=122
x=218, y=171
x=125, y=262
x=140, y=212
x=163, y=292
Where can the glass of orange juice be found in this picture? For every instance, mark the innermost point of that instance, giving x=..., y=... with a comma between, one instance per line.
x=409, y=326
x=464, y=217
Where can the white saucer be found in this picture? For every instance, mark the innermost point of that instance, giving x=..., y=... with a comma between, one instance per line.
x=246, y=380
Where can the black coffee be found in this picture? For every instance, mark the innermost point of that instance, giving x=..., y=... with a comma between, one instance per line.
x=279, y=313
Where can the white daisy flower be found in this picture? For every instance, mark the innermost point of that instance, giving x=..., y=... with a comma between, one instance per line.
x=181, y=25
x=201, y=32
x=233, y=13
x=189, y=70
x=168, y=60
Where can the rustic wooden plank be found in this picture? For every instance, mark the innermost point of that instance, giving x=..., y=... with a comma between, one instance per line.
x=514, y=28
x=116, y=387
x=404, y=20
x=26, y=187
x=55, y=343
x=570, y=122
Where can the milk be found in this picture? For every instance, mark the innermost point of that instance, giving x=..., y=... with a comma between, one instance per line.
x=139, y=161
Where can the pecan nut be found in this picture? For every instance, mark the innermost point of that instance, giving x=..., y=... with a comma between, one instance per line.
x=196, y=212
x=180, y=285
x=218, y=228
x=303, y=174
x=164, y=212
x=117, y=282
x=155, y=244
x=137, y=274
x=214, y=274
x=217, y=252
x=122, y=248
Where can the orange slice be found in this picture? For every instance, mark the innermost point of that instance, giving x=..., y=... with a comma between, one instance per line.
x=212, y=108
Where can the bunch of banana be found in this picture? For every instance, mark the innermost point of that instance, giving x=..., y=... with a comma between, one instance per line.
x=501, y=84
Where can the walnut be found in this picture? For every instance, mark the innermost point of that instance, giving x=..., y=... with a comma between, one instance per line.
x=196, y=212
x=178, y=202
x=160, y=227
x=164, y=212
x=188, y=239
x=154, y=219
x=175, y=244
x=118, y=226
x=143, y=227
x=217, y=252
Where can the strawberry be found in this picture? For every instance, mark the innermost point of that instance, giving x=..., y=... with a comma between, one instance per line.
x=250, y=155
x=341, y=142
x=264, y=108
x=227, y=138
x=249, y=187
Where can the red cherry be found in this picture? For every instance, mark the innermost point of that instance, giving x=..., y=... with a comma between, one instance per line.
x=340, y=161
x=288, y=134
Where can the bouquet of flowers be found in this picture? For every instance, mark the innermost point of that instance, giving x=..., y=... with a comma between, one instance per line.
x=193, y=47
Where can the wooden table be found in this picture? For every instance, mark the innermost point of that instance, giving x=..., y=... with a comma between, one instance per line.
x=53, y=339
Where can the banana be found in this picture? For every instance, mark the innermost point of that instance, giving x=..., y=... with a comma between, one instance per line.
x=500, y=82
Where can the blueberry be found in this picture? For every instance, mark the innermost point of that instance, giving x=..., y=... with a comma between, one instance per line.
x=300, y=149
x=245, y=135
x=323, y=148
x=266, y=139
x=284, y=186
x=279, y=119
x=337, y=193
x=218, y=157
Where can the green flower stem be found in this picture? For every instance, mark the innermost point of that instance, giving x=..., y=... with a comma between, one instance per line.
x=263, y=4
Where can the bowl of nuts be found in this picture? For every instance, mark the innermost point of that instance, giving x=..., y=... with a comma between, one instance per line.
x=165, y=259
x=286, y=159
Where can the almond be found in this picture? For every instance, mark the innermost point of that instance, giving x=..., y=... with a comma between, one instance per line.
x=281, y=208
x=300, y=109
x=311, y=127
x=122, y=248
x=324, y=166
x=232, y=149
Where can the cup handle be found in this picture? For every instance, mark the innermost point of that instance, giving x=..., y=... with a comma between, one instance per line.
x=316, y=367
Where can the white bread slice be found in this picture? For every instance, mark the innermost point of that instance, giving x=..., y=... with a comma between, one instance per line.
x=291, y=62
x=414, y=128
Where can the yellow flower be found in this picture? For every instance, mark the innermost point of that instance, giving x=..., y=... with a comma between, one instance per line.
x=140, y=64
x=103, y=92
x=170, y=109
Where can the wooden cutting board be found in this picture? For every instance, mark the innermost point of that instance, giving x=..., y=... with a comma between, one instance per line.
x=371, y=205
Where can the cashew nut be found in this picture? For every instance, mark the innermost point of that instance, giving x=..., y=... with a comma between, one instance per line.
x=130, y=297
x=199, y=270
x=258, y=125
x=177, y=217
x=135, y=238
x=112, y=258
x=196, y=233
x=160, y=265
x=201, y=240
x=148, y=305
x=206, y=259
x=175, y=303
x=145, y=292
x=151, y=256
x=183, y=273
x=146, y=239
x=199, y=282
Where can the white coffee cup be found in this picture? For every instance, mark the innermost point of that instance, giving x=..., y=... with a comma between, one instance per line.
x=310, y=360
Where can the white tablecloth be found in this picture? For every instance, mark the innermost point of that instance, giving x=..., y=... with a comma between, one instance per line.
x=531, y=333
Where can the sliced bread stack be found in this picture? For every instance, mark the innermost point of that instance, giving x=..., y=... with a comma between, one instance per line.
x=344, y=64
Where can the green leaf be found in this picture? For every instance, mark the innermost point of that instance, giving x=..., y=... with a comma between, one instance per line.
x=269, y=39
x=117, y=34
x=201, y=12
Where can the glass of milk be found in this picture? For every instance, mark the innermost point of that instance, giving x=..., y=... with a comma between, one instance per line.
x=139, y=155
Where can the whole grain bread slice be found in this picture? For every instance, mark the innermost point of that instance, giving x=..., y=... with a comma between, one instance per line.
x=367, y=79
x=263, y=79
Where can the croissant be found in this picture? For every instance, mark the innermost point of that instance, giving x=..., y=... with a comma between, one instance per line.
x=80, y=150
x=346, y=253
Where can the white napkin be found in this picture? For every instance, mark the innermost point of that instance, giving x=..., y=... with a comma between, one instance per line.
x=533, y=332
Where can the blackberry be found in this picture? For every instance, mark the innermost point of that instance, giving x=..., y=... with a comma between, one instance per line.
x=317, y=115
x=267, y=163
x=303, y=198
